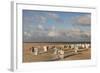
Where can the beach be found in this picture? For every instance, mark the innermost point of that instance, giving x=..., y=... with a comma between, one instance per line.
x=69, y=54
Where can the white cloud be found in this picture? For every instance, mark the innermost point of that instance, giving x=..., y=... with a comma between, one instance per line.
x=87, y=33
x=52, y=15
x=75, y=32
x=40, y=27
x=82, y=20
x=39, y=19
x=68, y=36
x=53, y=34
x=42, y=19
x=27, y=34
x=40, y=32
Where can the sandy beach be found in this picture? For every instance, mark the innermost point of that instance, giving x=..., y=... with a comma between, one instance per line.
x=28, y=56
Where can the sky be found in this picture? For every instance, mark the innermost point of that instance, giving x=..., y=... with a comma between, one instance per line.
x=54, y=26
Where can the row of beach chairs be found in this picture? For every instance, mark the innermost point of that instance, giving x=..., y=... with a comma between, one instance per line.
x=60, y=52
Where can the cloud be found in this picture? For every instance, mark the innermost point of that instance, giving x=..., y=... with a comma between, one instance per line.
x=87, y=34
x=33, y=23
x=52, y=15
x=83, y=20
x=27, y=34
x=74, y=31
x=59, y=36
x=40, y=19
x=37, y=29
x=77, y=32
x=53, y=34
x=40, y=27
